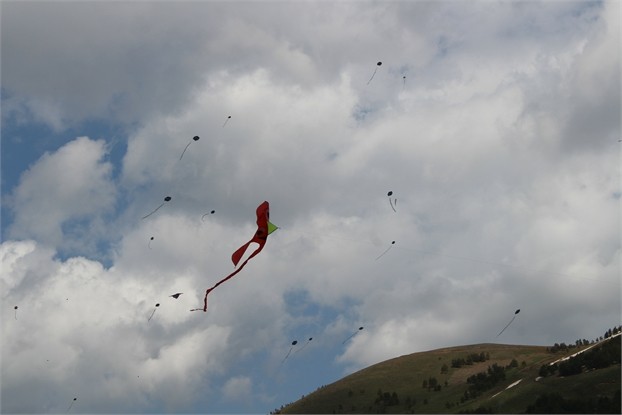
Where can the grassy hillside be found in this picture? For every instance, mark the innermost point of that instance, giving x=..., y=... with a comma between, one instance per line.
x=426, y=382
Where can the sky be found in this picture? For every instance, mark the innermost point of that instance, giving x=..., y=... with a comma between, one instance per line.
x=495, y=125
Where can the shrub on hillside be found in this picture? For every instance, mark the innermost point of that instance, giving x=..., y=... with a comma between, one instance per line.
x=554, y=403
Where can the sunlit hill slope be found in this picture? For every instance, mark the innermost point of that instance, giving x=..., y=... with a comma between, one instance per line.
x=482, y=378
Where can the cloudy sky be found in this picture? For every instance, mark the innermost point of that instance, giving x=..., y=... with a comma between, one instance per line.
x=496, y=125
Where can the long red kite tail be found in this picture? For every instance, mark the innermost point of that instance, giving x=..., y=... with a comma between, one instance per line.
x=204, y=301
x=226, y=278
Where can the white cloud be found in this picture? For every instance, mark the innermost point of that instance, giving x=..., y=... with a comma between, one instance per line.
x=62, y=198
x=503, y=201
x=95, y=330
x=23, y=264
x=238, y=388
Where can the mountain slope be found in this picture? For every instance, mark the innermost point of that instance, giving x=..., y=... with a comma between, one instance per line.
x=500, y=378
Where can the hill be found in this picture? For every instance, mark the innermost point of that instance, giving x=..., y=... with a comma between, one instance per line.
x=481, y=378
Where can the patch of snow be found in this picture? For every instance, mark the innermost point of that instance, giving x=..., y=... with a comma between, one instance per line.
x=584, y=350
x=509, y=386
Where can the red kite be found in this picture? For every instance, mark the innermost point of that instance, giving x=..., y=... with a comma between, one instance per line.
x=264, y=228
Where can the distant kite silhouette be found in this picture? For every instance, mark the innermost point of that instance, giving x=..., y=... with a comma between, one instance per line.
x=387, y=250
x=149, y=244
x=404, y=78
x=210, y=213
x=393, y=204
x=154, y=310
x=264, y=228
x=372, y=75
x=176, y=296
x=15, y=312
x=295, y=342
x=195, y=138
x=353, y=334
x=515, y=313
x=166, y=199
x=228, y=118
x=72, y=402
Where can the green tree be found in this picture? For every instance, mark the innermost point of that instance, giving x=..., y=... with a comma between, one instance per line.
x=432, y=382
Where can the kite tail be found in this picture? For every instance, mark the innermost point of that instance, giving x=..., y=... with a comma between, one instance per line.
x=183, y=152
x=372, y=76
x=302, y=348
x=286, y=356
x=218, y=283
x=508, y=325
x=387, y=250
x=204, y=301
x=146, y=216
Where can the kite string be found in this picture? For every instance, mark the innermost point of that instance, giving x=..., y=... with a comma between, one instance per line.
x=305, y=345
x=387, y=250
x=508, y=325
x=352, y=335
x=372, y=76
x=182, y=153
x=391, y=203
x=209, y=213
x=287, y=355
x=145, y=217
